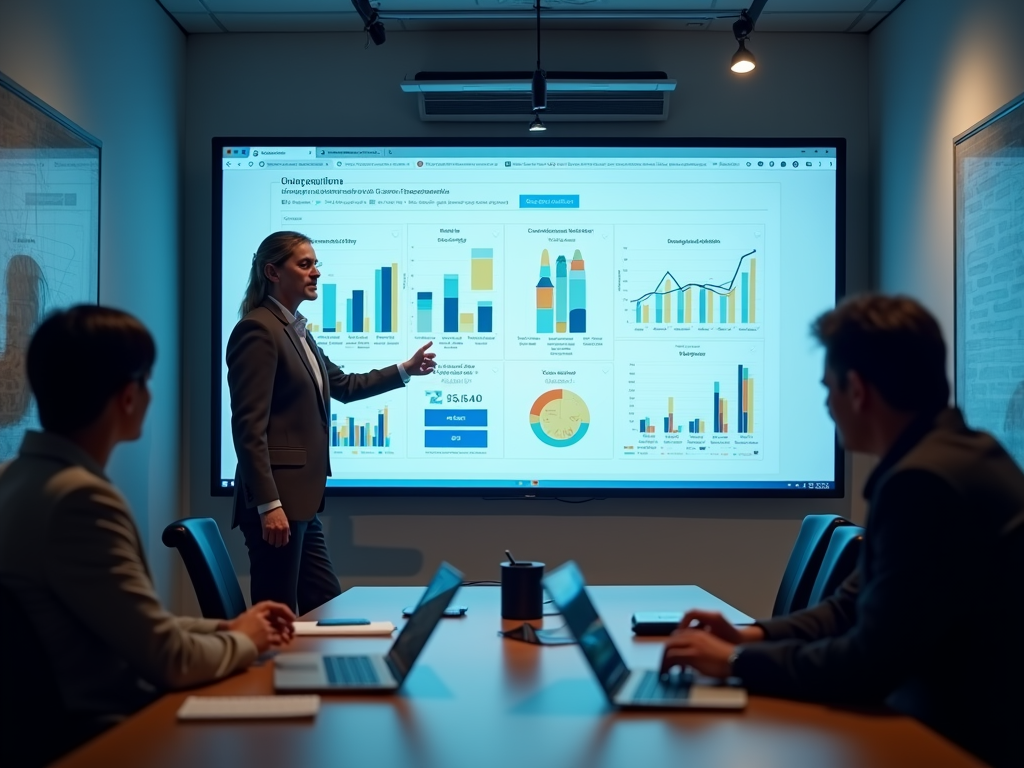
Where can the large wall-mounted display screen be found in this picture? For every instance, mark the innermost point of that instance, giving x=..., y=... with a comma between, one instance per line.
x=609, y=318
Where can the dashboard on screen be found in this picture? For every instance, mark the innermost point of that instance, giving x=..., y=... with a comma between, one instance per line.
x=609, y=318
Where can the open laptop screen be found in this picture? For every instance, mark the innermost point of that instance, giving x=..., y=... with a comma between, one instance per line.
x=417, y=631
x=567, y=589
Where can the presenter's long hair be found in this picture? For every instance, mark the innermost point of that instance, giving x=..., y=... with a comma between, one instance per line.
x=275, y=249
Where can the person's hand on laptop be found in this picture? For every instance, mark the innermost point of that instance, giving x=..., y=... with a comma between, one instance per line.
x=267, y=624
x=717, y=625
x=705, y=641
x=698, y=649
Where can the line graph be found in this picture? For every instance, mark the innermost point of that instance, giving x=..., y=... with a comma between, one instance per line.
x=698, y=302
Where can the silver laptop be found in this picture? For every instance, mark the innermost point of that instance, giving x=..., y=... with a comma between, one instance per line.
x=638, y=688
x=372, y=673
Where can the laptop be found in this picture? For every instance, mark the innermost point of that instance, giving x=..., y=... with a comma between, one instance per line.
x=637, y=688
x=374, y=673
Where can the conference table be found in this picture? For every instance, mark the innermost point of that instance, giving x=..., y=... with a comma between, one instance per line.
x=477, y=700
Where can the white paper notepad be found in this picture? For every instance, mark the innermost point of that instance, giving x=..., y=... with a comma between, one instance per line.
x=246, y=707
x=373, y=628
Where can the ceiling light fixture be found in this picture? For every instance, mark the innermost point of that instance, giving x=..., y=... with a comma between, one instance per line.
x=372, y=24
x=539, y=86
x=743, y=60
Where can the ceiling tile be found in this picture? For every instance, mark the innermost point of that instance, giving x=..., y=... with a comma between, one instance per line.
x=290, y=22
x=868, y=22
x=197, y=23
x=805, y=22
x=816, y=6
x=174, y=7
x=218, y=7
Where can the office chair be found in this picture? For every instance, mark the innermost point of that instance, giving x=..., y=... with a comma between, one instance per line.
x=35, y=728
x=804, y=562
x=209, y=567
x=839, y=562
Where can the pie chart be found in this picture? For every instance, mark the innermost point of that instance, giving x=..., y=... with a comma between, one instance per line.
x=559, y=418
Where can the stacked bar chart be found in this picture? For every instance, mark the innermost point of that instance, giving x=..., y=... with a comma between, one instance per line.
x=346, y=433
x=676, y=302
x=562, y=303
x=424, y=311
x=358, y=316
x=480, y=317
x=745, y=397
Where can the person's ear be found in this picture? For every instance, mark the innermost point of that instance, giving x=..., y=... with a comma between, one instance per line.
x=856, y=391
x=128, y=398
x=270, y=272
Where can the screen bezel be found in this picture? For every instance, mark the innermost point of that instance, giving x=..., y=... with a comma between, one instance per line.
x=218, y=144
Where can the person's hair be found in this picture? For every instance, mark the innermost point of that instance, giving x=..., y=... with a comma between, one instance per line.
x=79, y=358
x=275, y=249
x=893, y=343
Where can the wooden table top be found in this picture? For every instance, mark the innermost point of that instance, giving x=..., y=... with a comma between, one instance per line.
x=477, y=700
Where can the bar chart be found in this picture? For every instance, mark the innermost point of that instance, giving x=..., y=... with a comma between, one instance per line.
x=364, y=309
x=347, y=432
x=454, y=288
x=685, y=301
x=562, y=302
x=693, y=409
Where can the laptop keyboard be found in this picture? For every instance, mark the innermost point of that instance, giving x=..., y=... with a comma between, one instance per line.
x=351, y=670
x=652, y=688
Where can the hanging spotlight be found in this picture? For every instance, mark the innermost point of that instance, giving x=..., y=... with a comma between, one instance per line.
x=743, y=60
x=371, y=20
x=539, y=86
x=539, y=90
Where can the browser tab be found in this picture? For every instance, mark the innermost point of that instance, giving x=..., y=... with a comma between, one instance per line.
x=325, y=152
x=284, y=153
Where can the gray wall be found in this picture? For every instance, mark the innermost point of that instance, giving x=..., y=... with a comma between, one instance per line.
x=328, y=84
x=117, y=69
x=937, y=67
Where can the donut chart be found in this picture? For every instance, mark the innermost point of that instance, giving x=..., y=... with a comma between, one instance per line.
x=559, y=418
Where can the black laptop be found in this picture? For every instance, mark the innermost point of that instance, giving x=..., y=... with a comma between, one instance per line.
x=372, y=673
x=638, y=688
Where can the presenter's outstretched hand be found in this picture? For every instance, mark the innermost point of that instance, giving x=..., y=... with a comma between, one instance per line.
x=267, y=624
x=422, y=362
x=276, y=530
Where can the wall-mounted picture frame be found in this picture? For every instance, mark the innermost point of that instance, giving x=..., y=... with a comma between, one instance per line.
x=49, y=237
x=988, y=162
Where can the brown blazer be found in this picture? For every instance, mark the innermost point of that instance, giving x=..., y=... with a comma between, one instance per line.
x=70, y=552
x=280, y=419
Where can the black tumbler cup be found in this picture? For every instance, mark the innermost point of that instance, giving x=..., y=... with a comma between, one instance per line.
x=522, y=596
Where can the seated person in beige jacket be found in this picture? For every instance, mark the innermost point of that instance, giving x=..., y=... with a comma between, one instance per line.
x=69, y=549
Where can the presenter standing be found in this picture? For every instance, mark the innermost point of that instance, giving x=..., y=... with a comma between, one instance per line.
x=281, y=384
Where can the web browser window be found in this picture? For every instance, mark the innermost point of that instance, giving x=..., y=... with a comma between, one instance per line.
x=605, y=318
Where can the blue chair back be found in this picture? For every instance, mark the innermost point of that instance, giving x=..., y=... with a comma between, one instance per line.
x=805, y=561
x=839, y=562
x=209, y=566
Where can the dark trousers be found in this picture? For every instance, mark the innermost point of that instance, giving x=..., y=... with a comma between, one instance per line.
x=299, y=574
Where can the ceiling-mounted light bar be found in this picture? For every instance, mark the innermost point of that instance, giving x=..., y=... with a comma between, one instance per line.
x=572, y=15
x=525, y=85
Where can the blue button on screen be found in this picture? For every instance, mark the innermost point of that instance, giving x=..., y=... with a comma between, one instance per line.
x=549, y=201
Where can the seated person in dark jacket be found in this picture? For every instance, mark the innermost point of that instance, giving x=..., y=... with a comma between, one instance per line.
x=930, y=622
